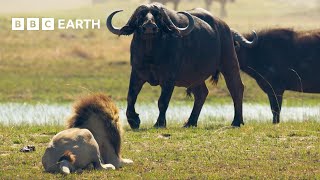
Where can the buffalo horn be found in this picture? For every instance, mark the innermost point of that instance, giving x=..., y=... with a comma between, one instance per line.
x=114, y=30
x=243, y=41
x=181, y=31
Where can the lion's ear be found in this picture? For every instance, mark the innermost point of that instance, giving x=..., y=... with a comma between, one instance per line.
x=126, y=30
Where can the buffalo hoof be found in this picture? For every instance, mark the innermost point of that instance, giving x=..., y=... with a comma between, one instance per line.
x=159, y=125
x=188, y=125
x=134, y=123
x=237, y=123
x=275, y=121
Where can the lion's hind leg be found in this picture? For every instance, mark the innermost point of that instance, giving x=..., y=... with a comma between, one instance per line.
x=100, y=166
x=108, y=166
x=66, y=167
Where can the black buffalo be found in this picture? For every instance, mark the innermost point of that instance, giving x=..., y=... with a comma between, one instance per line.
x=282, y=59
x=166, y=55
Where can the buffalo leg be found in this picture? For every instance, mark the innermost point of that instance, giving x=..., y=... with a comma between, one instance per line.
x=236, y=88
x=163, y=103
x=134, y=89
x=231, y=73
x=275, y=104
x=223, y=11
x=208, y=4
x=200, y=94
x=175, y=5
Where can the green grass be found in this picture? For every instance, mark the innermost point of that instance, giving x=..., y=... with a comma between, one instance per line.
x=259, y=151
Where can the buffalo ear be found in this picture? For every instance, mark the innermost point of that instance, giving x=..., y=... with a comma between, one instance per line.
x=237, y=46
x=126, y=30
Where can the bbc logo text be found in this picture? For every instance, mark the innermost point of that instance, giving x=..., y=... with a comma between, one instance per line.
x=49, y=24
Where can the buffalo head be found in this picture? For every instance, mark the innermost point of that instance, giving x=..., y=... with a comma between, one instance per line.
x=239, y=40
x=150, y=20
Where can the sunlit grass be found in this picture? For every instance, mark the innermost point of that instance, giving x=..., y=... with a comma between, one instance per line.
x=258, y=150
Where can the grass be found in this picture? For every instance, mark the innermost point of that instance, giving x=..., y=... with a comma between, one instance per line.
x=260, y=151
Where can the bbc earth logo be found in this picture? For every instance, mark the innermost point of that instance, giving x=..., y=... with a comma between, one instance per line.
x=48, y=24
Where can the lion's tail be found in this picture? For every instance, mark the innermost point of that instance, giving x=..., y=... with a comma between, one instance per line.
x=66, y=161
x=98, y=107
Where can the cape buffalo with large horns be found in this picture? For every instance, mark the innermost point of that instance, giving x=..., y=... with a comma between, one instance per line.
x=282, y=59
x=163, y=53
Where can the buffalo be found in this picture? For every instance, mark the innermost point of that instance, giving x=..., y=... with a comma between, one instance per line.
x=98, y=1
x=281, y=59
x=163, y=53
x=223, y=11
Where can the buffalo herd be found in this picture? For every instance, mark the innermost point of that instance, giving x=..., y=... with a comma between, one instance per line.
x=184, y=49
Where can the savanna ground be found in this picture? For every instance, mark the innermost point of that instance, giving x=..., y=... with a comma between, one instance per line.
x=58, y=66
x=287, y=151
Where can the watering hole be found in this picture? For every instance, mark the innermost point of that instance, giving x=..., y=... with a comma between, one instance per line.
x=51, y=114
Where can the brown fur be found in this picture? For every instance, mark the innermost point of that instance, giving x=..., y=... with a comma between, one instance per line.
x=93, y=136
x=102, y=106
x=68, y=156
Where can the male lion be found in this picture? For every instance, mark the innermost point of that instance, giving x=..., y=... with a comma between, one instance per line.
x=94, y=136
